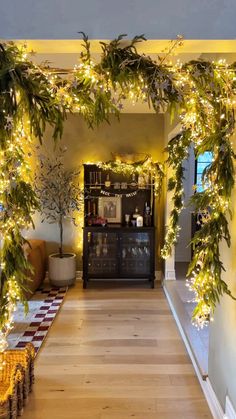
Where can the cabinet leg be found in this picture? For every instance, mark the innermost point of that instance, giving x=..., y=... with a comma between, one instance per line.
x=84, y=284
x=152, y=283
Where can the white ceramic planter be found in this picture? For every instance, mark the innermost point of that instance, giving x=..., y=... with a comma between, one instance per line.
x=62, y=271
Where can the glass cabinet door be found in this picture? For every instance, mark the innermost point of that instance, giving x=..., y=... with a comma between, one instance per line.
x=102, y=253
x=135, y=253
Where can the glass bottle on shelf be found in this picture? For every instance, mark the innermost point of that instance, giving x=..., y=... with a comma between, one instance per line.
x=104, y=247
x=133, y=183
x=94, y=210
x=141, y=181
x=136, y=213
x=147, y=180
x=147, y=216
x=98, y=180
x=107, y=182
x=139, y=221
x=135, y=216
x=98, y=250
x=89, y=208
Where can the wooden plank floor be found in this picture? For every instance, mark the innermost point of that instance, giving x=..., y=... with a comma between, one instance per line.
x=114, y=352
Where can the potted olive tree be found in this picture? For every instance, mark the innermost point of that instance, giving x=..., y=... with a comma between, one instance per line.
x=60, y=198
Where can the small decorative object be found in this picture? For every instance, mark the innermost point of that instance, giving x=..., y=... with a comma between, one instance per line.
x=130, y=158
x=127, y=219
x=136, y=213
x=107, y=182
x=147, y=216
x=110, y=208
x=98, y=250
x=133, y=222
x=117, y=185
x=139, y=221
x=95, y=179
x=98, y=180
x=123, y=185
x=146, y=179
x=133, y=183
x=141, y=181
x=90, y=179
x=96, y=221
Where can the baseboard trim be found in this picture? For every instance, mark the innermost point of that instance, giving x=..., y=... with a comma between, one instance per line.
x=230, y=412
x=159, y=276
x=170, y=275
x=213, y=402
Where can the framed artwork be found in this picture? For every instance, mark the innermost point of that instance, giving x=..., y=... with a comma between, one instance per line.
x=110, y=208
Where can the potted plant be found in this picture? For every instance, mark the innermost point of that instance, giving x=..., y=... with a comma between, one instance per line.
x=60, y=198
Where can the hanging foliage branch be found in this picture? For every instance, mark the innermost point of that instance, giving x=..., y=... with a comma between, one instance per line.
x=27, y=103
x=139, y=77
x=88, y=91
x=218, y=179
x=178, y=150
x=202, y=93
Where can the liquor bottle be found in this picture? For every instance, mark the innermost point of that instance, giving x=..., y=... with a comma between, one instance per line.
x=89, y=215
x=94, y=211
x=89, y=208
x=136, y=213
x=147, y=216
x=107, y=182
x=98, y=180
x=105, y=247
x=139, y=221
x=98, y=250
x=133, y=183
x=147, y=180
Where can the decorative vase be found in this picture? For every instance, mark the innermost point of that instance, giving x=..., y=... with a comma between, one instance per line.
x=62, y=270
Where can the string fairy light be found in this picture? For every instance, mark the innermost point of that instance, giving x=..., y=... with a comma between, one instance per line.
x=17, y=198
x=204, y=94
x=149, y=168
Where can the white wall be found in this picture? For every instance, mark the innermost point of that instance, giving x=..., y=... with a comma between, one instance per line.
x=104, y=19
x=134, y=133
x=222, y=346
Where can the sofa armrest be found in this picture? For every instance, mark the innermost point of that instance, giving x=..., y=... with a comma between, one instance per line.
x=36, y=254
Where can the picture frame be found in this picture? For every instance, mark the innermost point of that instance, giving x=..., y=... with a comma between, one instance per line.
x=109, y=207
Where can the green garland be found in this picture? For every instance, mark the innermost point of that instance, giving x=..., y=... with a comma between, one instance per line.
x=154, y=170
x=200, y=92
x=151, y=82
x=88, y=91
x=27, y=104
x=178, y=150
x=212, y=133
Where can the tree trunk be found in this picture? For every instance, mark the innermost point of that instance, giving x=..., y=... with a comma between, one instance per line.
x=61, y=237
